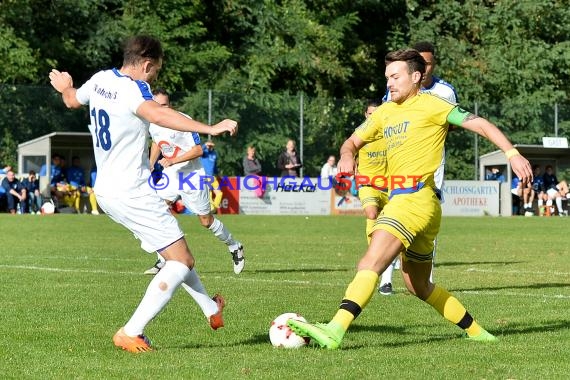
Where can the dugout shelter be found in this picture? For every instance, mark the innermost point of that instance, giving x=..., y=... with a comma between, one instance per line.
x=558, y=157
x=33, y=154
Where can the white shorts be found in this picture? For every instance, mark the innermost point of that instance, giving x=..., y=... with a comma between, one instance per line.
x=551, y=192
x=147, y=217
x=196, y=198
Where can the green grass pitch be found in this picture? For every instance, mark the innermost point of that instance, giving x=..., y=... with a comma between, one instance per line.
x=68, y=282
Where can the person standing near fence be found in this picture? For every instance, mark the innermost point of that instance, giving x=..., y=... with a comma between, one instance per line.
x=289, y=162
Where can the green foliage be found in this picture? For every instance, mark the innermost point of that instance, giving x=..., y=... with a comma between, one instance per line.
x=511, y=58
x=19, y=63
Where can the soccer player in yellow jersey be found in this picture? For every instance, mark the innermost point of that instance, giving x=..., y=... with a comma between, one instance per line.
x=414, y=126
x=371, y=164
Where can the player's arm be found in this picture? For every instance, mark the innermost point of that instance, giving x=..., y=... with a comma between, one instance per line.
x=154, y=153
x=520, y=165
x=169, y=118
x=63, y=83
x=348, y=150
x=194, y=152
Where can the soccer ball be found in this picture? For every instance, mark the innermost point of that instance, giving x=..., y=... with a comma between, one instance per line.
x=47, y=208
x=282, y=336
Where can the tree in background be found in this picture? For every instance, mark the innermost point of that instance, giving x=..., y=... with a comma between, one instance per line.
x=259, y=56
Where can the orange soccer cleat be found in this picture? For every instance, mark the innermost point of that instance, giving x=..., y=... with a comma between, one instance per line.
x=217, y=320
x=134, y=344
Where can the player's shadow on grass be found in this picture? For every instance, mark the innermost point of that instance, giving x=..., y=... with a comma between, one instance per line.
x=470, y=263
x=254, y=340
x=516, y=329
x=529, y=286
x=401, y=331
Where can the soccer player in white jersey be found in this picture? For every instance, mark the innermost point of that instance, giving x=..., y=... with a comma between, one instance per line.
x=121, y=107
x=181, y=152
x=437, y=86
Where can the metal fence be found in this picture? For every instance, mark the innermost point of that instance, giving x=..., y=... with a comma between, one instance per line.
x=318, y=125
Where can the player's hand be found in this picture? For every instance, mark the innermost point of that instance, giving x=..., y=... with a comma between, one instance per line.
x=60, y=80
x=521, y=167
x=346, y=165
x=165, y=162
x=226, y=125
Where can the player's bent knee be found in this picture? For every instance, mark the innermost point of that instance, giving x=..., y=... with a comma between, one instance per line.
x=206, y=220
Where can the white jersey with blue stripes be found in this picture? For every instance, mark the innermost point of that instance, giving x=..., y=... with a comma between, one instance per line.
x=174, y=144
x=120, y=137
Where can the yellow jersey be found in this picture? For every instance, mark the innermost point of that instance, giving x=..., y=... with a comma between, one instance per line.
x=414, y=135
x=372, y=159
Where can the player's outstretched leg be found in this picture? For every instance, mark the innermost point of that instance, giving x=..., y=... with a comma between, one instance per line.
x=211, y=307
x=452, y=310
x=357, y=296
x=158, y=294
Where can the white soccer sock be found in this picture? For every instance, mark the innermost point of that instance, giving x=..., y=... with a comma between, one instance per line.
x=198, y=292
x=433, y=260
x=387, y=275
x=158, y=293
x=559, y=204
x=223, y=234
x=540, y=203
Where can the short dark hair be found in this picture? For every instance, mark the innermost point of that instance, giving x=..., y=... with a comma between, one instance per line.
x=424, y=47
x=372, y=103
x=412, y=58
x=32, y=172
x=139, y=48
x=160, y=91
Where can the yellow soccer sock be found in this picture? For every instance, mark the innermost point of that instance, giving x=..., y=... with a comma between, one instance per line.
x=452, y=310
x=76, y=203
x=218, y=199
x=357, y=296
x=369, y=225
x=93, y=201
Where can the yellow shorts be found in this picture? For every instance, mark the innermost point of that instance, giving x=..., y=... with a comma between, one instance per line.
x=414, y=219
x=370, y=196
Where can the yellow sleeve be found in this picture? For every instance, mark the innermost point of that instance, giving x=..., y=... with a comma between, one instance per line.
x=371, y=130
x=441, y=109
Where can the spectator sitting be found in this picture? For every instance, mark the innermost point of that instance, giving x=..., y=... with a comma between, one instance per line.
x=252, y=167
x=495, y=174
x=56, y=175
x=539, y=189
x=5, y=169
x=76, y=178
x=288, y=161
x=552, y=190
x=526, y=195
x=32, y=186
x=15, y=193
x=329, y=168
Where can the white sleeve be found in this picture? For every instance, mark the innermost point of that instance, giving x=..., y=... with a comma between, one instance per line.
x=83, y=92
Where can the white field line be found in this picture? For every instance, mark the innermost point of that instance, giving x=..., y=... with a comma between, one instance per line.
x=293, y=282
